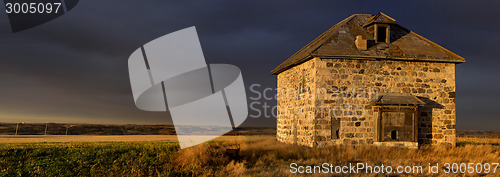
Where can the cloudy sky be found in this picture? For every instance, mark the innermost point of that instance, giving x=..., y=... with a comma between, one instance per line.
x=74, y=68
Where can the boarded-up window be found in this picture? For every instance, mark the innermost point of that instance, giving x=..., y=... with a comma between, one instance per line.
x=397, y=126
x=335, y=128
x=395, y=118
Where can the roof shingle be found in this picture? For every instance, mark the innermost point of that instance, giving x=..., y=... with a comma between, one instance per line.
x=339, y=42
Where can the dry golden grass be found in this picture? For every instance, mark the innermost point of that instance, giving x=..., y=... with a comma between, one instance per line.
x=264, y=156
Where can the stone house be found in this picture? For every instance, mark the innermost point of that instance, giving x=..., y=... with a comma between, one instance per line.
x=368, y=80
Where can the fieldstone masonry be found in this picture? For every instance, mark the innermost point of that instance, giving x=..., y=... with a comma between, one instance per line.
x=327, y=99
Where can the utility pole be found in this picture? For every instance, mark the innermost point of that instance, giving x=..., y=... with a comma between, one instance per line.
x=17, y=127
x=67, y=127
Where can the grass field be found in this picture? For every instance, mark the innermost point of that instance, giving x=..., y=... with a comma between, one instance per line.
x=259, y=156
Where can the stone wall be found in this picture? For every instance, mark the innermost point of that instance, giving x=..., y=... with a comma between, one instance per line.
x=343, y=88
x=295, y=113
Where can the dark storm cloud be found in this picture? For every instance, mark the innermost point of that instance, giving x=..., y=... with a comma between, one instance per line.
x=77, y=64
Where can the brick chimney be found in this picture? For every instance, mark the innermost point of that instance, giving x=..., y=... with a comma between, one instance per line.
x=361, y=44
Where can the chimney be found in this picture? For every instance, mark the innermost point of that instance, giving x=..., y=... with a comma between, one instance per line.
x=361, y=44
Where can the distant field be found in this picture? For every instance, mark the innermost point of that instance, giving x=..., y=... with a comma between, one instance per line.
x=98, y=129
x=478, y=134
x=167, y=138
x=153, y=155
x=83, y=138
x=100, y=138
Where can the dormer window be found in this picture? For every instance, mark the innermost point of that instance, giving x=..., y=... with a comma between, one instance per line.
x=380, y=24
x=382, y=33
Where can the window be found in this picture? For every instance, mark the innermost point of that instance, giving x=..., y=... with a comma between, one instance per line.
x=394, y=135
x=302, y=85
x=381, y=34
x=397, y=126
x=335, y=128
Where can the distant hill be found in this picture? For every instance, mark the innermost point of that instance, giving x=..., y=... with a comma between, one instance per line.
x=478, y=134
x=97, y=129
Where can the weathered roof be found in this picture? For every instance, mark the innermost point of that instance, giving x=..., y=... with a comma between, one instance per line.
x=397, y=99
x=338, y=42
x=379, y=18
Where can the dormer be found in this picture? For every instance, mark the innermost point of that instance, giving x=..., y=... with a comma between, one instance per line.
x=381, y=25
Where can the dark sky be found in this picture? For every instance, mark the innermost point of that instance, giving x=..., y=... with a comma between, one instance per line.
x=74, y=68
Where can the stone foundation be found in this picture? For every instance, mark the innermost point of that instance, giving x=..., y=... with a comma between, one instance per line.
x=409, y=145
